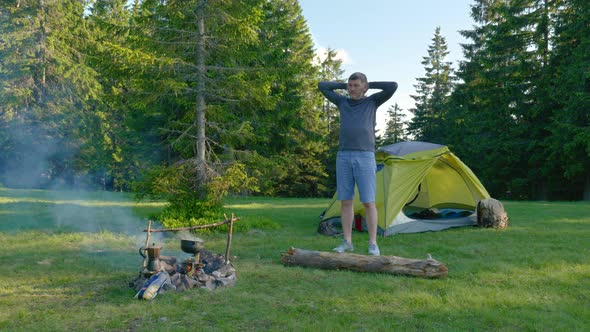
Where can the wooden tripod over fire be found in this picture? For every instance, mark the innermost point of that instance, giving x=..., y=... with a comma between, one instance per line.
x=229, y=221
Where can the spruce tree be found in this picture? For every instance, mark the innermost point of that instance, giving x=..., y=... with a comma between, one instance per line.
x=395, y=128
x=504, y=104
x=330, y=69
x=569, y=143
x=432, y=92
x=46, y=91
x=287, y=124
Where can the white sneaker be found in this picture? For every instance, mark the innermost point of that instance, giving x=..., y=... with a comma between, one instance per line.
x=344, y=246
x=374, y=249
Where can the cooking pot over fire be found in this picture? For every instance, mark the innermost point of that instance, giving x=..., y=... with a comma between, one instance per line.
x=192, y=246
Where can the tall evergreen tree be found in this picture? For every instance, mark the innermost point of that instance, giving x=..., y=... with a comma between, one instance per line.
x=569, y=143
x=46, y=90
x=330, y=69
x=505, y=105
x=287, y=124
x=119, y=148
x=259, y=96
x=432, y=95
x=534, y=104
x=476, y=111
x=395, y=128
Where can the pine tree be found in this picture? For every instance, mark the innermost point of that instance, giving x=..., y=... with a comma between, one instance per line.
x=395, y=127
x=504, y=104
x=479, y=108
x=287, y=123
x=118, y=148
x=46, y=90
x=569, y=144
x=432, y=90
x=330, y=69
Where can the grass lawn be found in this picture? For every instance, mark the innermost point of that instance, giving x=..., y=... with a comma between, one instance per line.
x=67, y=257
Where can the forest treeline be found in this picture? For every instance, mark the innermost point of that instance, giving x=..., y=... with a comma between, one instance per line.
x=168, y=97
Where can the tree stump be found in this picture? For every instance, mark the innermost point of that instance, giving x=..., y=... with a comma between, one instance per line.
x=428, y=268
x=491, y=213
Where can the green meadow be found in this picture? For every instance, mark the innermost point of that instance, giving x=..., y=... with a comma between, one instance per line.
x=67, y=258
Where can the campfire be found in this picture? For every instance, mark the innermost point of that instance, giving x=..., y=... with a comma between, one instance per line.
x=204, y=269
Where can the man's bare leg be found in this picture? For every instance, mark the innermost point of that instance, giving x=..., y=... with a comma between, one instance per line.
x=371, y=219
x=347, y=216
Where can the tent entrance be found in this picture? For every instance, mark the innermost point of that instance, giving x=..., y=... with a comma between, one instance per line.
x=437, y=213
x=416, y=220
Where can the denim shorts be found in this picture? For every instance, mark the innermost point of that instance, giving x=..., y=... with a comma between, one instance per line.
x=356, y=167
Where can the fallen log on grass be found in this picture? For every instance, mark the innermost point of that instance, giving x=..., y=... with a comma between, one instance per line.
x=426, y=268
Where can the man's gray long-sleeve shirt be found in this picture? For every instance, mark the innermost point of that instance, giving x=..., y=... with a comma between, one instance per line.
x=357, y=117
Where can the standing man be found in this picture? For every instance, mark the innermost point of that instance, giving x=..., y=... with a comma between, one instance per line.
x=355, y=161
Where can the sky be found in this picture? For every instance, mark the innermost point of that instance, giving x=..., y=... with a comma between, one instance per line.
x=387, y=39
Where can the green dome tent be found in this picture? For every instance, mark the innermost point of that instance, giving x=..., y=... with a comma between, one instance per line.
x=420, y=187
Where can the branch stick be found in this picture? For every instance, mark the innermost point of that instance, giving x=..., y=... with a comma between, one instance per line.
x=147, y=243
x=229, y=237
x=192, y=227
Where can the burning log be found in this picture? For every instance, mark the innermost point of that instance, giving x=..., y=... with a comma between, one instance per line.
x=428, y=268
